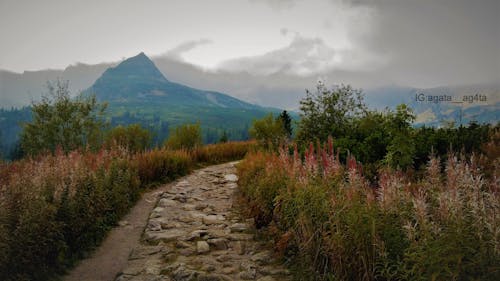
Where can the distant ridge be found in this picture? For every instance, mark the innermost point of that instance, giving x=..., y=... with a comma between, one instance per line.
x=138, y=80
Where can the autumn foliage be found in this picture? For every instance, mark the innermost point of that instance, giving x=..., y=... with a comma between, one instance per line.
x=57, y=207
x=333, y=224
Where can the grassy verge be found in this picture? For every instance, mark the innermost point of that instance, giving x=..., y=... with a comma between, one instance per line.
x=332, y=225
x=56, y=208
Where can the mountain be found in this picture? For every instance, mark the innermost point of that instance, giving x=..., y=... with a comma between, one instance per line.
x=137, y=92
x=138, y=80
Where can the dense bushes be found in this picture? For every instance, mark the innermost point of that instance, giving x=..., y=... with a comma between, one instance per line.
x=55, y=208
x=327, y=218
x=221, y=152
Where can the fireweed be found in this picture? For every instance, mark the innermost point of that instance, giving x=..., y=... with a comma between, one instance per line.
x=55, y=208
x=332, y=225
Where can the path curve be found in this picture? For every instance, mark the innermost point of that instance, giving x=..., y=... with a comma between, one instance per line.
x=112, y=255
x=184, y=231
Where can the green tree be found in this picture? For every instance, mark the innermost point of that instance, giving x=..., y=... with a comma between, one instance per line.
x=268, y=131
x=186, y=136
x=62, y=122
x=133, y=137
x=224, y=137
x=286, y=120
x=401, y=149
x=329, y=112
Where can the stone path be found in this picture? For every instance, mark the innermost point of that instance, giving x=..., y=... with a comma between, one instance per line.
x=194, y=234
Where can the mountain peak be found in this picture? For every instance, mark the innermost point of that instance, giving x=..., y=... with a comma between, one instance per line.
x=139, y=67
x=137, y=80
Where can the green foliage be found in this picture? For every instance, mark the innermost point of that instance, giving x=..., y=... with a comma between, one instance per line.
x=186, y=136
x=286, y=120
x=327, y=220
x=132, y=137
x=224, y=138
x=61, y=122
x=329, y=112
x=401, y=149
x=268, y=131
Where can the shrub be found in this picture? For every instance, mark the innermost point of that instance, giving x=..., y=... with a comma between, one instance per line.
x=185, y=137
x=161, y=165
x=333, y=225
x=270, y=132
x=133, y=137
x=221, y=152
x=62, y=122
x=55, y=208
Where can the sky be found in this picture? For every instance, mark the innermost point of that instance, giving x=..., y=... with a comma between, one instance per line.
x=421, y=43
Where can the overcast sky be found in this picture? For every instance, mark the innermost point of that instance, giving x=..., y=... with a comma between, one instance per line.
x=420, y=43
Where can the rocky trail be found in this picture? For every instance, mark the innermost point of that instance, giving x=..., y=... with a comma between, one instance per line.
x=193, y=233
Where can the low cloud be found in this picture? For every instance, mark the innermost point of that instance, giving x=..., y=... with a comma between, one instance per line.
x=185, y=47
x=277, y=4
x=304, y=56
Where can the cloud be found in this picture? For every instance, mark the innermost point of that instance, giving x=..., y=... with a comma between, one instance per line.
x=185, y=47
x=429, y=43
x=278, y=4
x=303, y=56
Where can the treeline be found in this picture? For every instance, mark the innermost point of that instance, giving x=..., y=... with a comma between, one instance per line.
x=377, y=139
x=13, y=121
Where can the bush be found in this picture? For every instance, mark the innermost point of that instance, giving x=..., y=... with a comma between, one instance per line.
x=55, y=208
x=185, y=137
x=160, y=165
x=60, y=122
x=222, y=152
x=326, y=218
x=270, y=132
x=133, y=137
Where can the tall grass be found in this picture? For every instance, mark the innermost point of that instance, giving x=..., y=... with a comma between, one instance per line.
x=55, y=208
x=333, y=225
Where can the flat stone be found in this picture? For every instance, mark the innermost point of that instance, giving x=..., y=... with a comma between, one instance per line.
x=218, y=243
x=164, y=202
x=231, y=177
x=202, y=247
x=154, y=225
x=169, y=224
x=143, y=252
x=213, y=219
x=239, y=227
x=240, y=237
x=188, y=207
x=200, y=206
x=182, y=245
x=158, y=209
x=183, y=183
x=164, y=235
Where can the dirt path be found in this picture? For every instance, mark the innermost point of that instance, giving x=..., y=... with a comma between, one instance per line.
x=112, y=255
x=185, y=231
